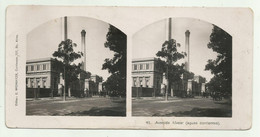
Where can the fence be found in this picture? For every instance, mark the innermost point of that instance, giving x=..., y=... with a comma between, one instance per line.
x=143, y=92
x=39, y=92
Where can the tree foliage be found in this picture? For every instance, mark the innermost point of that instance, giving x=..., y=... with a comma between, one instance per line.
x=116, y=42
x=175, y=70
x=170, y=53
x=115, y=86
x=66, y=52
x=65, y=56
x=221, y=67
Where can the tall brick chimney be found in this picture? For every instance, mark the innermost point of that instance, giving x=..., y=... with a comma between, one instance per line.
x=65, y=28
x=187, y=50
x=83, y=48
x=170, y=29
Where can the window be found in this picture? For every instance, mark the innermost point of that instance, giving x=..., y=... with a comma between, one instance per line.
x=147, y=66
x=32, y=68
x=32, y=83
x=44, y=66
x=44, y=83
x=141, y=82
x=134, y=82
x=38, y=67
x=38, y=83
x=141, y=66
x=26, y=68
x=147, y=82
x=135, y=67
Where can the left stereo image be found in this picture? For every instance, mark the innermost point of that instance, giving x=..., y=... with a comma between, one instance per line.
x=76, y=66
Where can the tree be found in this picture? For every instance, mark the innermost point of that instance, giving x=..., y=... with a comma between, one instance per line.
x=221, y=67
x=112, y=84
x=66, y=56
x=172, y=70
x=116, y=41
x=175, y=70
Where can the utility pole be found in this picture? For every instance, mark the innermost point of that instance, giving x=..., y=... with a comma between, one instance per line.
x=168, y=60
x=64, y=89
x=167, y=79
x=65, y=62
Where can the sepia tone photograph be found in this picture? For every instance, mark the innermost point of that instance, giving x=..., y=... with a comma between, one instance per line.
x=69, y=67
x=76, y=66
x=187, y=71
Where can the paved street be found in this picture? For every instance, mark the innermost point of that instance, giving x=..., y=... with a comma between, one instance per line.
x=181, y=107
x=94, y=106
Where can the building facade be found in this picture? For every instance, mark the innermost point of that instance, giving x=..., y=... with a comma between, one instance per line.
x=43, y=78
x=147, y=74
x=94, y=85
x=42, y=74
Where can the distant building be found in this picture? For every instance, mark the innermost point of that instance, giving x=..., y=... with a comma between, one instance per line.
x=42, y=74
x=199, y=79
x=189, y=87
x=94, y=85
x=199, y=84
x=147, y=74
x=96, y=78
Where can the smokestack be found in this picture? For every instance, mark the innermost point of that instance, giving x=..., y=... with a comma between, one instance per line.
x=83, y=48
x=170, y=29
x=187, y=50
x=65, y=28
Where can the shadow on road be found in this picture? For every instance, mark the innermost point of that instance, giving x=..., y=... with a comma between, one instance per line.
x=228, y=103
x=201, y=112
x=107, y=111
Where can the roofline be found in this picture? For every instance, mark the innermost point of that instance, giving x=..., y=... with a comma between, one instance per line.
x=39, y=60
x=145, y=59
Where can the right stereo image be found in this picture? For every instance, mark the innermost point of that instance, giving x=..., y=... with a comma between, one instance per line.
x=182, y=67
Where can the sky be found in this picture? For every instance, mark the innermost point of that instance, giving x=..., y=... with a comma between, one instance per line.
x=153, y=36
x=44, y=40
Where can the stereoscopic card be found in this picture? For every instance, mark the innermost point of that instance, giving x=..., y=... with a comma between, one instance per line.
x=129, y=67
